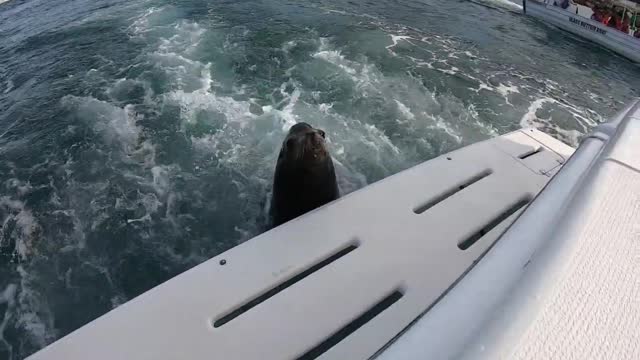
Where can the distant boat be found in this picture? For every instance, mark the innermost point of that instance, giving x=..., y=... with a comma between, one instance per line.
x=578, y=20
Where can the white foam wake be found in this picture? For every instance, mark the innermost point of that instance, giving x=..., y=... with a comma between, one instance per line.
x=508, y=4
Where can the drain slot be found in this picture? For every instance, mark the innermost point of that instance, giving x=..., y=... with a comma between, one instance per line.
x=353, y=326
x=457, y=188
x=282, y=286
x=531, y=153
x=467, y=243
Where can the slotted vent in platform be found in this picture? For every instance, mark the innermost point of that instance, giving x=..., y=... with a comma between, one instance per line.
x=456, y=188
x=468, y=242
x=353, y=326
x=282, y=286
x=531, y=153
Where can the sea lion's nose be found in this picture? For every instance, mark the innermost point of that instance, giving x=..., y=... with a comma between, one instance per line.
x=311, y=135
x=316, y=134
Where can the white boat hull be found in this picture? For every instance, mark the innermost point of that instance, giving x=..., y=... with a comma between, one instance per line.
x=609, y=38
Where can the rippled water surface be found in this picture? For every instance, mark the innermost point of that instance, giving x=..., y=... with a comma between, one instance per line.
x=138, y=138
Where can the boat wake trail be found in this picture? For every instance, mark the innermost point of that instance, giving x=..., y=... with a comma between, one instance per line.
x=504, y=4
x=139, y=139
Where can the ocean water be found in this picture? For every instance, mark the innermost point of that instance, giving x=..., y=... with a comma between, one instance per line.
x=138, y=138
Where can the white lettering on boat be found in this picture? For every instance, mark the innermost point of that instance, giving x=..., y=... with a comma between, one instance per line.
x=586, y=25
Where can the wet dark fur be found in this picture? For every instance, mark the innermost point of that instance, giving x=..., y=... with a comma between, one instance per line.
x=305, y=178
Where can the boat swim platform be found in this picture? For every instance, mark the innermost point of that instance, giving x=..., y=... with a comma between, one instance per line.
x=342, y=281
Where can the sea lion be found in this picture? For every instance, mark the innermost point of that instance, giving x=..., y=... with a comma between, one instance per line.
x=305, y=178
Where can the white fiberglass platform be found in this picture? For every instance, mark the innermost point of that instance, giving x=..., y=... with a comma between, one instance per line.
x=340, y=282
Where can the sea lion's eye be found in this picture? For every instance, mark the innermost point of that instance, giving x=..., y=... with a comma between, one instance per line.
x=322, y=133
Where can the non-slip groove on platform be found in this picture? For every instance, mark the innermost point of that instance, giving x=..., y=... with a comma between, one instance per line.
x=531, y=153
x=282, y=286
x=353, y=326
x=468, y=242
x=452, y=191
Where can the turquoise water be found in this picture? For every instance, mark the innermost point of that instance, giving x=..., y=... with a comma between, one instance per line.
x=138, y=138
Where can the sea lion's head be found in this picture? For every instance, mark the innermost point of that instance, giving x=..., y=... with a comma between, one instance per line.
x=305, y=178
x=304, y=146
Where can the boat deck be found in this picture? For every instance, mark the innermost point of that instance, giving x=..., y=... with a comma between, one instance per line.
x=342, y=281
